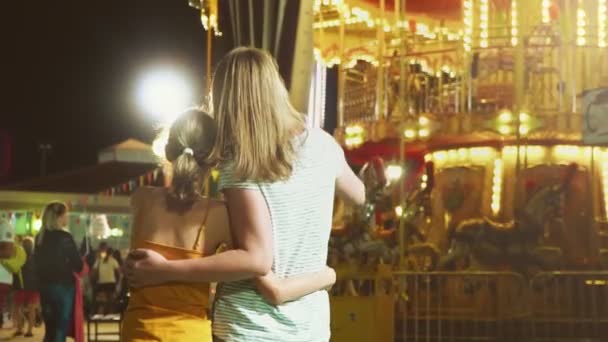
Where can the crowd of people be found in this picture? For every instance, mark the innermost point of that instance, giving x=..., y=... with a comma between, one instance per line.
x=41, y=277
x=265, y=243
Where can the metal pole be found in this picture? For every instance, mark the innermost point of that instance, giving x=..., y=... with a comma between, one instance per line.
x=266, y=26
x=209, y=54
x=402, y=246
x=251, y=25
x=520, y=74
x=400, y=102
x=380, y=110
x=279, y=26
x=208, y=85
x=45, y=149
x=341, y=75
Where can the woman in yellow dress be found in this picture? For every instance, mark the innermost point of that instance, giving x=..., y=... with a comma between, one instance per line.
x=179, y=223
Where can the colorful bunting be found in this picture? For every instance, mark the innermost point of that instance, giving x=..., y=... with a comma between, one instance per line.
x=150, y=178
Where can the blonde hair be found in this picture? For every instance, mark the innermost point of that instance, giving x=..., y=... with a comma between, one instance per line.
x=256, y=122
x=191, y=141
x=52, y=212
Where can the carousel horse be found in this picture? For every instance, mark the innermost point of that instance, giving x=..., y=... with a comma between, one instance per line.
x=421, y=255
x=515, y=244
x=353, y=243
x=357, y=240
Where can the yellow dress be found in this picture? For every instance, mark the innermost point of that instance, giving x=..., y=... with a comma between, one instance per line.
x=170, y=312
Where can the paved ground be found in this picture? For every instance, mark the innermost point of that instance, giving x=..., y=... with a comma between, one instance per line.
x=6, y=334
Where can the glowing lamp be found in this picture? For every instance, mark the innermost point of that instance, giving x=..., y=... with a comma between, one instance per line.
x=505, y=116
x=393, y=172
x=163, y=94
x=409, y=134
x=504, y=129
x=37, y=225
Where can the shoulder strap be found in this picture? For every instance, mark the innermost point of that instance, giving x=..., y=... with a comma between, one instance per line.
x=201, y=229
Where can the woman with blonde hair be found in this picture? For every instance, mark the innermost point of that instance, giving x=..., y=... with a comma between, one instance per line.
x=180, y=223
x=278, y=178
x=56, y=259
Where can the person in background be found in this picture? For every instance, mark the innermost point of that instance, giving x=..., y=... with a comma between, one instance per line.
x=12, y=259
x=56, y=259
x=87, y=282
x=26, y=298
x=108, y=270
x=122, y=289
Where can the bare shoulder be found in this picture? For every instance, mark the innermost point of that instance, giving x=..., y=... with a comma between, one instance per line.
x=145, y=195
x=218, y=229
x=216, y=207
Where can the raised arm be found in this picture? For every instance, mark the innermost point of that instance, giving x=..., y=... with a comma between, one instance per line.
x=278, y=291
x=348, y=186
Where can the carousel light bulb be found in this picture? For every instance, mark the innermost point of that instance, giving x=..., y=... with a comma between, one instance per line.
x=423, y=133
x=545, y=11
x=440, y=156
x=423, y=120
x=483, y=23
x=514, y=23
x=505, y=116
x=468, y=24
x=409, y=134
x=354, y=129
x=496, y=186
x=452, y=155
x=462, y=153
x=580, y=27
x=393, y=172
x=601, y=23
x=504, y=129
x=399, y=211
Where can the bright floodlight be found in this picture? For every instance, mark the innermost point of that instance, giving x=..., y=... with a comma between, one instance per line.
x=163, y=94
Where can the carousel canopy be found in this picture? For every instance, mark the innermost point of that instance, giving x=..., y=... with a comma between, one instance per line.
x=367, y=21
x=118, y=164
x=88, y=180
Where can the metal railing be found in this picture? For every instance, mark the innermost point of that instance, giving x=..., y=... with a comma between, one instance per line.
x=569, y=306
x=501, y=306
x=458, y=306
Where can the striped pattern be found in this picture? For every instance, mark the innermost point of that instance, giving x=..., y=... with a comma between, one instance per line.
x=301, y=210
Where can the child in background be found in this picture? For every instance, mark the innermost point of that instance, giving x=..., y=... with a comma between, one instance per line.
x=107, y=269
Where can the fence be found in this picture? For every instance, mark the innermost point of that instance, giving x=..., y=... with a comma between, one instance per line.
x=501, y=306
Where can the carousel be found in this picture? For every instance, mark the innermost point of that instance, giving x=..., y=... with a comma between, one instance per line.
x=478, y=127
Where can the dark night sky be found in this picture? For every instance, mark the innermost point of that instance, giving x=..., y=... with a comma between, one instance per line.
x=69, y=70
